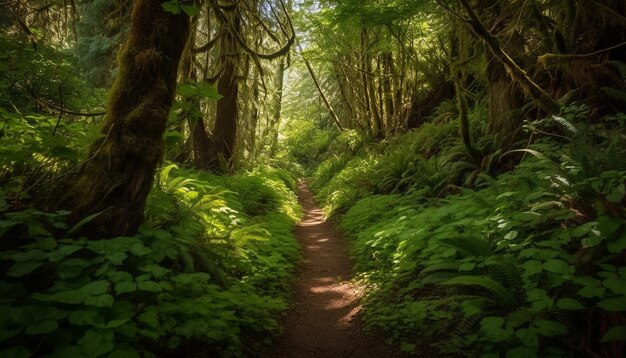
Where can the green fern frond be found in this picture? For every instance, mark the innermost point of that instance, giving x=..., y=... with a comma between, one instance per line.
x=567, y=124
x=444, y=266
x=500, y=294
x=553, y=204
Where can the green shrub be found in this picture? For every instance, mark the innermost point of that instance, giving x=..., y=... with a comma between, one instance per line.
x=210, y=267
x=529, y=265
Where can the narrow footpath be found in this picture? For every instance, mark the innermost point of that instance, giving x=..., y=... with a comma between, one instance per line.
x=323, y=322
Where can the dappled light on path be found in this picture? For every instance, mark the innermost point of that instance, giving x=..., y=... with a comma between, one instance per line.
x=323, y=321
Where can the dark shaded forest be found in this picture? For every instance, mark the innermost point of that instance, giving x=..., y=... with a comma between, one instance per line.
x=154, y=156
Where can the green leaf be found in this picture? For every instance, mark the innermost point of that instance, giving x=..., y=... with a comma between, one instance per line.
x=550, y=328
x=140, y=250
x=105, y=300
x=617, y=333
x=125, y=287
x=117, y=258
x=528, y=337
x=30, y=255
x=63, y=252
x=591, y=291
x=149, y=286
x=208, y=91
x=86, y=317
x=617, y=194
x=172, y=7
x=493, y=330
x=96, y=287
x=149, y=317
x=20, y=269
x=408, y=347
x=120, y=276
x=613, y=304
x=84, y=221
x=569, y=304
x=556, y=266
x=532, y=267
x=44, y=327
x=617, y=285
x=187, y=90
x=154, y=269
x=70, y=297
x=618, y=245
x=190, y=10
x=116, y=323
x=467, y=266
x=449, y=252
x=97, y=342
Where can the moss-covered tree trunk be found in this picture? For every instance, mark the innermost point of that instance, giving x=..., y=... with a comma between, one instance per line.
x=227, y=112
x=117, y=177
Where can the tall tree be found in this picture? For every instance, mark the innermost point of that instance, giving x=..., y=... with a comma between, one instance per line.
x=114, y=182
x=235, y=19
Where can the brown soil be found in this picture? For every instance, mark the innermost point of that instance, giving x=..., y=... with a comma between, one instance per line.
x=324, y=322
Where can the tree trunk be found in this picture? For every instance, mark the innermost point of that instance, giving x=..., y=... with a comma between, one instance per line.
x=464, y=129
x=278, y=106
x=541, y=97
x=332, y=113
x=505, y=100
x=200, y=144
x=388, y=91
x=116, y=179
x=227, y=114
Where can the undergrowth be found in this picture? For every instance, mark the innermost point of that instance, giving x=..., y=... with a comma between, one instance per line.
x=460, y=262
x=207, y=272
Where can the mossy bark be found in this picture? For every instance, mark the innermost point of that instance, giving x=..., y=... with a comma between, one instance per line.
x=117, y=177
x=227, y=112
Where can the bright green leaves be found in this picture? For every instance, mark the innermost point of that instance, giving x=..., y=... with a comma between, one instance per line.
x=177, y=6
x=199, y=89
x=512, y=256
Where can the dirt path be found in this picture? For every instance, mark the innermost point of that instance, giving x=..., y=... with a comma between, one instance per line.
x=322, y=323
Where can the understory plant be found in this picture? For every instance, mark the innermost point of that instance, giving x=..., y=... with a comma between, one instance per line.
x=530, y=263
x=207, y=272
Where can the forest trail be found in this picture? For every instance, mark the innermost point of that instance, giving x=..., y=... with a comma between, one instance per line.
x=323, y=322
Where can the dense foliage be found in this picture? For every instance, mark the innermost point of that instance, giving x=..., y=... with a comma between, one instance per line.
x=210, y=266
x=472, y=151
x=528, y=263
x=208, y=271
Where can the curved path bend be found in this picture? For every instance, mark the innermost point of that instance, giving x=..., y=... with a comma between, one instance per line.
x=323, y=323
